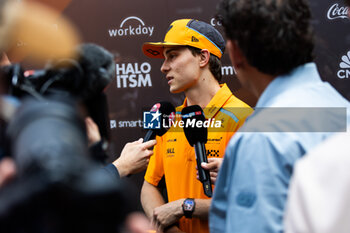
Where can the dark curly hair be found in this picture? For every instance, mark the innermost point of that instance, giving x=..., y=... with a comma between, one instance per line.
x=274, y=35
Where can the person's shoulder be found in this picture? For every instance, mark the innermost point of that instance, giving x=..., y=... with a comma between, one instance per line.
x=237, y=108
x=233, y=101
x=245, y=143
x=332, y=152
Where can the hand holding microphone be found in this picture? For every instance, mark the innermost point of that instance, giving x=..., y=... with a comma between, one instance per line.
x=197, y=137
x=135, y=155
x=166, y=111
x=213, y=166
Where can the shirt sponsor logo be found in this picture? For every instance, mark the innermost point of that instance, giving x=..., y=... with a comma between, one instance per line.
x=213, y=153
x=172, y=140
x=344, y=72
x=336, y=12
x=131, y=75
x=128, y=28
x=170, y=151
x=214, y=139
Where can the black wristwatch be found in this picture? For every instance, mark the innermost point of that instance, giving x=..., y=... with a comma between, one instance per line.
x=188, y=207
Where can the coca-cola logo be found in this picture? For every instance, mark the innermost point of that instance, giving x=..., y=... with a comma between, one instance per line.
x=336, y=12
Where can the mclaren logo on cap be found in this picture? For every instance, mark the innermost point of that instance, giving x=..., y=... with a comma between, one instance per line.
x=153, y=52
x=194, y=39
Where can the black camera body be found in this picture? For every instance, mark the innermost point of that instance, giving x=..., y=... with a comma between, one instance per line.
x=58, y=188
x=82, y=79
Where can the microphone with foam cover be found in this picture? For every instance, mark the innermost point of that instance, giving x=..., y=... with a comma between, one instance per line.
x=167, y=115
x=197, y=136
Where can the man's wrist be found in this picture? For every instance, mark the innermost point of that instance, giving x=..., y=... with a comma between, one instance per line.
x=180, y=211
x=188, y=207
x=121, y=168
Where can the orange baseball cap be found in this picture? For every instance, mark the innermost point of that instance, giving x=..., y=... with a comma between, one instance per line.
x=189, y=32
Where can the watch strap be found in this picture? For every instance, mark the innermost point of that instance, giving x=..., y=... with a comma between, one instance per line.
x=188, y=213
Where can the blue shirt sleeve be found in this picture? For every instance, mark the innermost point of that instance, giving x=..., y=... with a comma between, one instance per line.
x=112, y=171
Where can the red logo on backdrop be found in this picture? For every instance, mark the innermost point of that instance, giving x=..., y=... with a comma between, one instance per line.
x=198, y=113
x=155, y=107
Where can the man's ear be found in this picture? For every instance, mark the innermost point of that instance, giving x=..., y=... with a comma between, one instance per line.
x=235, y=53
x=204, y=57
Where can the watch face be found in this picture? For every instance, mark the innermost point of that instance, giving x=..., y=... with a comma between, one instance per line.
x=188, y=205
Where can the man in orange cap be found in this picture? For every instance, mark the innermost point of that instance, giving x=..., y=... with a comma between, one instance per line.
x=191, y=51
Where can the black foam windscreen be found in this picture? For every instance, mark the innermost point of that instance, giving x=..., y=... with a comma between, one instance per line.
x=83, y=77
x=167, y=111
x=98, y=65
x=194, y=131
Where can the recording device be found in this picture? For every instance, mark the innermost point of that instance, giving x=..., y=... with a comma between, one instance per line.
x=47, y=139
x=166, y=117
x=197, y=137
x=82, y=79
x=58, y=189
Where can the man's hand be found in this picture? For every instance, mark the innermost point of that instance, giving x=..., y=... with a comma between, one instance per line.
x=134, y=157
x=173, y=229
x=213, y=166
x=137, y=222
x=92, y=131
x=7, y=171
x=167, y=214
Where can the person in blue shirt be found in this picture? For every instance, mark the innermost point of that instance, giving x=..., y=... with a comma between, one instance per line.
x=270, y=43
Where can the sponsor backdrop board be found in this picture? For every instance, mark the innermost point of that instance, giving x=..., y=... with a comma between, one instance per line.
x=123, y=26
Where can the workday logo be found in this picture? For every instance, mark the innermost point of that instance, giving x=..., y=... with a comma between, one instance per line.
x=345, y=66
x=128, y=28
x=336, y=12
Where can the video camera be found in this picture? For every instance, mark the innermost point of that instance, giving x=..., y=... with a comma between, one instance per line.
x=58, y=189
x=82, y=78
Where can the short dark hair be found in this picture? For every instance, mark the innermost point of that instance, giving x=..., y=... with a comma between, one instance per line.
x=274, y=35
x=347, y=2
x=214, y=62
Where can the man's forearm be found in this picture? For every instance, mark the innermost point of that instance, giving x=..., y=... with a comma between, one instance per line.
x=202, y=208
x=150, y=198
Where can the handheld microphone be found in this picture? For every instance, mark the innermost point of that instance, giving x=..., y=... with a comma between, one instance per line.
x=163, y=110
x=197, y=137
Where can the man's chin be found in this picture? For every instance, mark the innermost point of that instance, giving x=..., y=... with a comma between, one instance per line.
x=174, y=90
